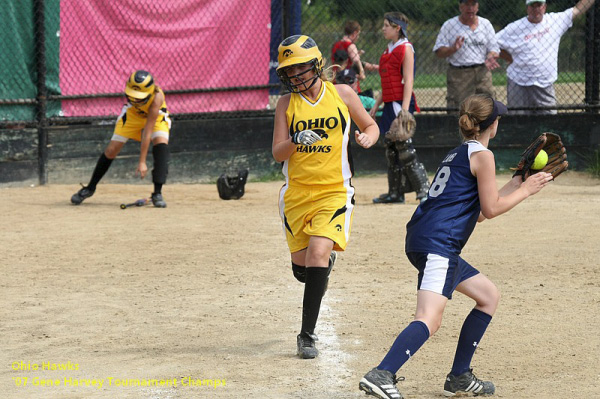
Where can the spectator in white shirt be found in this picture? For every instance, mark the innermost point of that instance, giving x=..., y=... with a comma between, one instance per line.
x=530, y=46
x=468, y=42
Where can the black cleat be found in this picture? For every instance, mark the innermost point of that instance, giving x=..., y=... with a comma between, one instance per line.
x=158, y=201
x=467, y=383
x=380, y=383
x=82, y=194
x=306, y=346
x=389, y=199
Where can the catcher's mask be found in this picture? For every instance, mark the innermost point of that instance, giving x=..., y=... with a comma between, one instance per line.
x=140, y=87
x=232, y=187
x=296, y=50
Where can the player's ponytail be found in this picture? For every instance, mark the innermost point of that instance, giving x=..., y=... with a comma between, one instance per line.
x=328, y=74
x=474, y=110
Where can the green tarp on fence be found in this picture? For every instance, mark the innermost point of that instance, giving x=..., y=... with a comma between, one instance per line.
x=18, y=74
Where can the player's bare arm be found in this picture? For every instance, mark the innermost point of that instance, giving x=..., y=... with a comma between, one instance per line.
x=366, y=124
x=378, y=102
x=370, y=67
x=282, y=147
x=153, y=111
x=512, y=185
x=355, y=57
x=408, y=68
x=492, y=204
x=581, y=7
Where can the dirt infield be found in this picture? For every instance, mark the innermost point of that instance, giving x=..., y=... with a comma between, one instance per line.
x=201, y=294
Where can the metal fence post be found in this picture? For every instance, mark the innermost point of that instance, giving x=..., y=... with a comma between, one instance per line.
x=42, y=92
x=595, y=95
x=285, y=15
x=592, y=57
x=291, y=17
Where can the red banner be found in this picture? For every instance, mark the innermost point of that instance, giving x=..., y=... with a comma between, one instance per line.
x=185, y=44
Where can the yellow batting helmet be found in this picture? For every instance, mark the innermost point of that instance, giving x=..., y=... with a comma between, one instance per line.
x=140, y=85
x=295, y=50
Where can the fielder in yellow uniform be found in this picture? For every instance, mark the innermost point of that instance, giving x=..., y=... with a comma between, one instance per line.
x=311, y=137
x=144, y=118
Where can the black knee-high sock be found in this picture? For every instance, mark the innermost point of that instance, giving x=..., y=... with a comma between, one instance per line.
x=316, y=279
x=160, y=152
x=101, y=167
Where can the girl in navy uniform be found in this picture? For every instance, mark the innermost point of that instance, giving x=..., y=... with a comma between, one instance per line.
x=462, y=193
x=311, y=137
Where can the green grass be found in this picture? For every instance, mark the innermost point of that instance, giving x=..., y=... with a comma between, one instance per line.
x=593, y=161
x=275, y=175
x=429, y=81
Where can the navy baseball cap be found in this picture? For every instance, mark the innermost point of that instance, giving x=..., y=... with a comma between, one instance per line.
x=347, y=76
x=498, y=110
x=403, y=25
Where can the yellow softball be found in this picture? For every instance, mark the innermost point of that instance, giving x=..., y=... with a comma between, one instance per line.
x=540, y=160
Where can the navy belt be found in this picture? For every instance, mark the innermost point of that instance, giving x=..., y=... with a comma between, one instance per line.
x=466, y=66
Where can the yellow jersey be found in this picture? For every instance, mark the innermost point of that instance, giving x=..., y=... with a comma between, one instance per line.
x=327, y=162
x=133, y=118
x=142, y=109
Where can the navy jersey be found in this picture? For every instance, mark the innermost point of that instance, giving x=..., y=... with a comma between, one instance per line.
x=443, y=224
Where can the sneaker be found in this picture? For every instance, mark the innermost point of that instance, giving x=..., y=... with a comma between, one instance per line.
x=380, y=383
x=465, y=383
x=306, y=346
x=158, y=201
x=82, y=194
x=332, y=258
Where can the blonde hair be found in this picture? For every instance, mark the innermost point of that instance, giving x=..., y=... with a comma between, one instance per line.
x=474, y=110
x=328, y=74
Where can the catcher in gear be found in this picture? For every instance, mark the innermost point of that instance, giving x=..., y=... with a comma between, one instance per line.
x=405, y=172
x=557, y=156
x=396, y=69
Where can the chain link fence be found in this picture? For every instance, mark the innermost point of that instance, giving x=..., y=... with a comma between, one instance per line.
x=66, y=61
x=578, y=56
x=73, y=57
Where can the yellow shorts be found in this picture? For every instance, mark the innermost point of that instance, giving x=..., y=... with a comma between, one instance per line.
x=130, y=125
x=316, y=211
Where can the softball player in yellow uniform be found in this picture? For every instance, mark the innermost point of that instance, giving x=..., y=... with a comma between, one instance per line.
x=144, y=118
x=312, y=138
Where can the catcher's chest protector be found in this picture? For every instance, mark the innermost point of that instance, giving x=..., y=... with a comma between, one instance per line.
x=232, y=187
